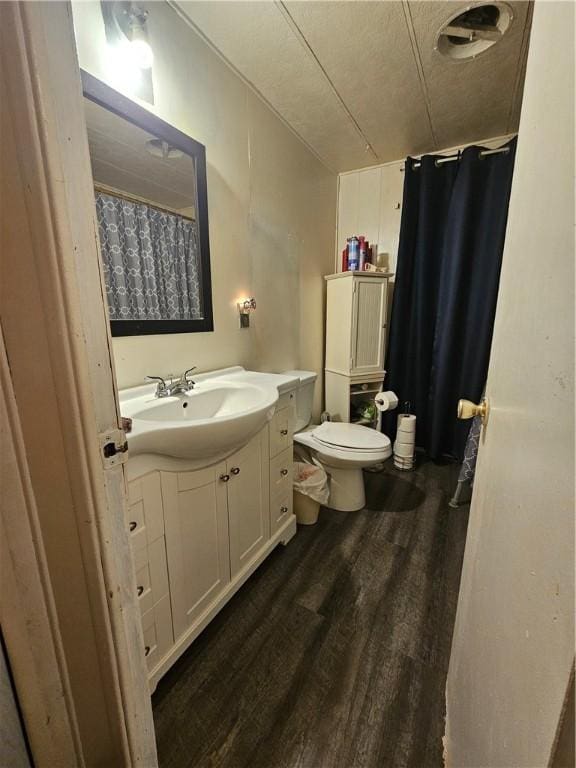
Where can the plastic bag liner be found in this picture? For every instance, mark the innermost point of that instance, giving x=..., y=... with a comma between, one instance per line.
x=311, y=481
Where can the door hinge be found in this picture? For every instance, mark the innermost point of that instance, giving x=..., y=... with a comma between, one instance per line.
x=113, y=447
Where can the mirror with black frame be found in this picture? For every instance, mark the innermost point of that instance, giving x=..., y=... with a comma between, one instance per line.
x=152, y=212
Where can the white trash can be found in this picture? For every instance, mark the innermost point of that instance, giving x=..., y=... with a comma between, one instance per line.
x=310, y=490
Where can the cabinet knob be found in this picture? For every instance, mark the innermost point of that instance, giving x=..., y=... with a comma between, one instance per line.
x=283, y=510
x=139, y=590
x=146, y=650
x=283, y=431
x=132, y=525
x=235, y=470
x=284, y=472
x=224, y=478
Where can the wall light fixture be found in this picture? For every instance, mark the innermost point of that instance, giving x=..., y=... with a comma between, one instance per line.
x=245, y=306
x=130, y=54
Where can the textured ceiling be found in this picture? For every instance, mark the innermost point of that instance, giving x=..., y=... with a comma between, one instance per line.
x=360, y=82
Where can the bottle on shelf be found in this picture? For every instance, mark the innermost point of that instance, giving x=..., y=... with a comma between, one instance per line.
x=353, y=254
x=362, y=252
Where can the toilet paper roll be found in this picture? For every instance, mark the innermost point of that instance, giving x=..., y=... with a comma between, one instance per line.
x=404, y=450
x=386, y=401
x=404, y=442
x=406, y=423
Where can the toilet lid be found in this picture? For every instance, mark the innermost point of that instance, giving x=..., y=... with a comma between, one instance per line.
x=352, y=436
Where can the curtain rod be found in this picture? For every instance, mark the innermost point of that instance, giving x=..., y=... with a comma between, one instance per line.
x=451, y=158
x=106, y=190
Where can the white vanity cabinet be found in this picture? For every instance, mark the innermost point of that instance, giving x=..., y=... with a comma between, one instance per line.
x=198, y=534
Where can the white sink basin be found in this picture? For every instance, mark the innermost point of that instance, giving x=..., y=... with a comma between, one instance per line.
x=214, y=419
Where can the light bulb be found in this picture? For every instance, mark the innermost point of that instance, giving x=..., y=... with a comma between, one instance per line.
x=141, y=53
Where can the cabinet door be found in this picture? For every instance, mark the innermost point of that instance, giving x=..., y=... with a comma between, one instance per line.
x=368, y=325
x=196, y=523
x=339, y=309
x=248, y=501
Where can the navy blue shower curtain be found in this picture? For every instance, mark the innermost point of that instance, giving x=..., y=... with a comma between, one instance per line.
x=449, y=257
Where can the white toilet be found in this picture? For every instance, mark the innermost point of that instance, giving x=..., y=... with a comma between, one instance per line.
x=342, y=450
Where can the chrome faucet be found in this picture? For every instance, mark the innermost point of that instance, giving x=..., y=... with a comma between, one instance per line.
x=182, y=385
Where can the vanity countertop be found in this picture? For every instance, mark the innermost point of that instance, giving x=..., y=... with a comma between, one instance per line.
x=282, y=382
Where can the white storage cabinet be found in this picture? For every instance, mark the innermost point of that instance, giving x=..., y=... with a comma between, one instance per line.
x=356, y=326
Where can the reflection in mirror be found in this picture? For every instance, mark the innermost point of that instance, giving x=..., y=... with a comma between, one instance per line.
x=147, y=206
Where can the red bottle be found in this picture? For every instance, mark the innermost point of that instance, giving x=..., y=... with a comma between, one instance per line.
x=363, y=253
x=345, y=260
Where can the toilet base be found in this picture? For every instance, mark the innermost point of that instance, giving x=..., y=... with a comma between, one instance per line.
x=347, y=493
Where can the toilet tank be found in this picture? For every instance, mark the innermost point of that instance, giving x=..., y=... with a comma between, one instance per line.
x=304, y=397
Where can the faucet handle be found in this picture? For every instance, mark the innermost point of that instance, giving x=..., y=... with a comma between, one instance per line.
x=161, y=387
x=159, y=379
x=185, y=374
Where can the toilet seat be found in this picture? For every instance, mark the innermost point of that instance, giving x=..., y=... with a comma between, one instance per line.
x=350, y=437
x=377, y=447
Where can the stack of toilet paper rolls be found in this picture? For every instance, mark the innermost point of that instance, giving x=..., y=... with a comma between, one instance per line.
x=405, y=441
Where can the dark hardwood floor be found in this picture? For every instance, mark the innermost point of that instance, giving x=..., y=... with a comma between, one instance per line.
x=335, y=653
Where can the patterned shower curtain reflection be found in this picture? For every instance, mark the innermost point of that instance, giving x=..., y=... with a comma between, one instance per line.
x=151, y=261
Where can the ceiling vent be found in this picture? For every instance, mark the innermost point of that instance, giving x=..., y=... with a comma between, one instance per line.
x=469, y=33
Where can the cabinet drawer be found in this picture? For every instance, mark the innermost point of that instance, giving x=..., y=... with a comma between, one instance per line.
x=145, y=509
x=281, y=472
x=281, y=431
x=280, y=504
x=151, y=574
x=285, y=400
x=157, y=631
x=136, y=526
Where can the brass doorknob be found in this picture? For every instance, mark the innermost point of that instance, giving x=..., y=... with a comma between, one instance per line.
x=467, y=410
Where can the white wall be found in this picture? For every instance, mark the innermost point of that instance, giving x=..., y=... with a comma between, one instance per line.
x=271, y=208
x=513, y=644
x=370, y=204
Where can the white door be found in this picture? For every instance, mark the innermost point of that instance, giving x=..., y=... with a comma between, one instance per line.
x=70, y=555
x=368, y=325
x=248, y=502
x=513, y=644
x=196, y=524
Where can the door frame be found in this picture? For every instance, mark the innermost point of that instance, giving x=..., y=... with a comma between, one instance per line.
x=79, y=667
